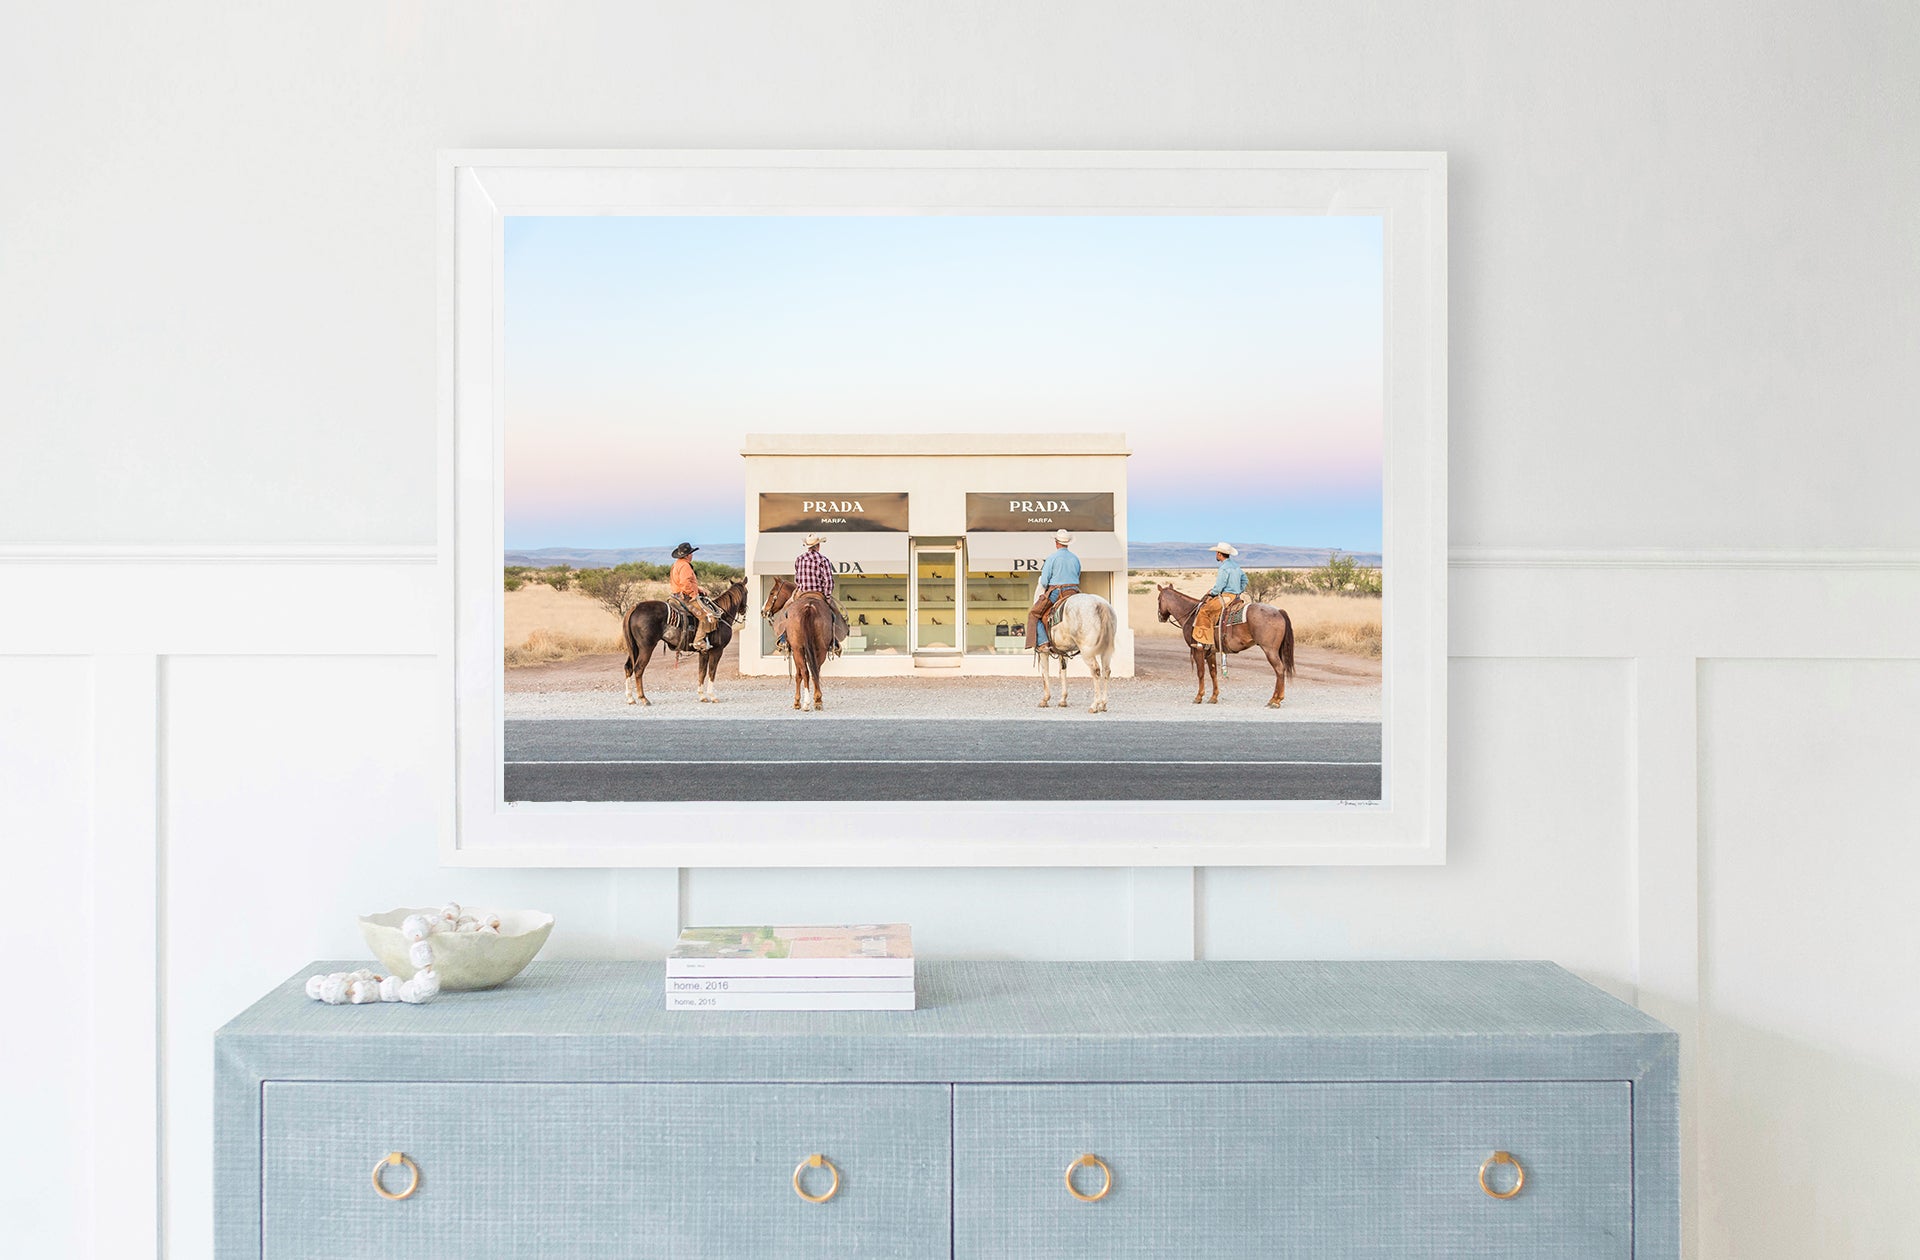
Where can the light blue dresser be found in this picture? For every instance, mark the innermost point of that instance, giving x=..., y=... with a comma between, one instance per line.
x=1227, y=1109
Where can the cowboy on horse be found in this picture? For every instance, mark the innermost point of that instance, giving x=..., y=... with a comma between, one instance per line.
x=1059, y=579
x=685, y=594
x=812, y=574
x=1229, y=585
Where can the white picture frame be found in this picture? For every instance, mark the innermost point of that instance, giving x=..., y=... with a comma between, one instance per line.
x=479, y=189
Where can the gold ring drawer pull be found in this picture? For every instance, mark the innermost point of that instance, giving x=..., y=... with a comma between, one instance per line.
x=1106, y=1174
x=1519, y=1175
x=394, y=1159
x=816, y=1161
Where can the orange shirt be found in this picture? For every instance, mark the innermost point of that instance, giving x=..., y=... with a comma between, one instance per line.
x=681, y=581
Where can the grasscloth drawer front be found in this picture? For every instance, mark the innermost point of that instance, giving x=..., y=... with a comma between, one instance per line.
x=1386, y=1169
x=585, y=1171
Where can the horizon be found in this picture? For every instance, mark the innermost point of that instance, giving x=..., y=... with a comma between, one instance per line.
x=1241, y=355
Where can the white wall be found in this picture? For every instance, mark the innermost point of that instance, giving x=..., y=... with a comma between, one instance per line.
x=1684, y=257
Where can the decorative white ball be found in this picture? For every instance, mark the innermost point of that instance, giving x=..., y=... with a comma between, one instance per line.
x=361, y=992
x=390, y=989
x=451, y=912
x=333, y=989
x=313, y=986
x=425, y=983
x=417, y=927
x=420, y=954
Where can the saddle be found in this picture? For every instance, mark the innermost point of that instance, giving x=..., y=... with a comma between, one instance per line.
x=1236, y=613
x=682, y=627
x=1049, y=623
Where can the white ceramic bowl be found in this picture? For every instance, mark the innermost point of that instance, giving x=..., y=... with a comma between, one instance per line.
x=462, y=960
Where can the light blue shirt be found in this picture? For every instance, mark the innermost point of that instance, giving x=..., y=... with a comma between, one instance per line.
x=1061, y=569
x=1229, y=579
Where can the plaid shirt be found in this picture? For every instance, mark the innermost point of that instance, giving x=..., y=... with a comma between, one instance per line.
x=813, y=572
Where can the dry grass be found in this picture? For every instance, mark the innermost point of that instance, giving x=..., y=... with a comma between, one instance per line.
x=1339, y=623
x=544, y=647
x=544, y=625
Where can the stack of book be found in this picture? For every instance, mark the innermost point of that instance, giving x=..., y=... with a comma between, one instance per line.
x=864, y=967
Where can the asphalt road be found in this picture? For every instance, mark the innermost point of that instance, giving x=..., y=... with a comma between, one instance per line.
x=940, y=760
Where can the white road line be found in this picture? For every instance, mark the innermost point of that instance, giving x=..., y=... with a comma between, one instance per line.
x=929, y=761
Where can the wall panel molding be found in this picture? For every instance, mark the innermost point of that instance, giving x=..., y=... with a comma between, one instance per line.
x=1679, y=558
x=135, y=553
x=124, y=963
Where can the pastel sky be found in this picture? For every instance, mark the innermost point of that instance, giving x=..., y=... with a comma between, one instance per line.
x=1241, y=356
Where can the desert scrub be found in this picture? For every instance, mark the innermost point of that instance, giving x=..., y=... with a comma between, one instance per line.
x=1338, y=576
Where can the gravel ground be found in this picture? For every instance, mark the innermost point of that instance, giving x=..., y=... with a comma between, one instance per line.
x=1328, y=686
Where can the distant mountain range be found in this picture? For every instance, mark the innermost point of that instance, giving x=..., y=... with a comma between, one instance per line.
x=1193, y=555
x=734, y=554
x=1140, y=555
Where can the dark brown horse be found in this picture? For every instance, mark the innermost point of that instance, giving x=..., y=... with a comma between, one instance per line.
x=1266, y=626
x=809, y=636
x=646, y=628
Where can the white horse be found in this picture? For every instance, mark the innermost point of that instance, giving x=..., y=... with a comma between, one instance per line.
x=1087, y=623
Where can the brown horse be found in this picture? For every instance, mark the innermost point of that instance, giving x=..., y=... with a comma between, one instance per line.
x=645, y=628
x=809, y=637
x=1266, y=626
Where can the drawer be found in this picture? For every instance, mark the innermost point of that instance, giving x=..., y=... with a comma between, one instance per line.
x=572, y=1172
x=1320, y=1170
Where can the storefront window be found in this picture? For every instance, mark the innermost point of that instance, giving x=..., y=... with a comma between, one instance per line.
x=997, y=606
x=936, y=591
x=876, y=609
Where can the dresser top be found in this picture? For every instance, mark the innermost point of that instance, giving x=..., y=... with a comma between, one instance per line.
x=983, y=1021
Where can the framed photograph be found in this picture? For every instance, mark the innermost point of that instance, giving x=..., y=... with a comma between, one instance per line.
x=946, y=508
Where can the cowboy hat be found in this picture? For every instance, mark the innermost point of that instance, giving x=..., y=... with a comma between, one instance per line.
x=811, y=541
x=684, y=550
x=1062, y=537
x=1225, y=549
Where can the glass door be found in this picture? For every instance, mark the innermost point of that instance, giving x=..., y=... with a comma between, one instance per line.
x=936, y=604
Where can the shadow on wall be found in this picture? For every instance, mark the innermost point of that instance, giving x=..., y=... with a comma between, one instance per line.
x=1779, y=1122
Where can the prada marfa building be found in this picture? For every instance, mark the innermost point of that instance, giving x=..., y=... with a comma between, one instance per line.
x=936, y=540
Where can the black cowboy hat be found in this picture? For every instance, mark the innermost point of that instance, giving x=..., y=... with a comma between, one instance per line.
x=684, y=550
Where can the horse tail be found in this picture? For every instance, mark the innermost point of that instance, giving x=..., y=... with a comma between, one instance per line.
x=633, y=643
x=1286, y=642
x=809, y=653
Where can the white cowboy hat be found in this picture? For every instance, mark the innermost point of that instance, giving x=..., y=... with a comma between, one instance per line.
x=1062, y=536
x=1224, y=549
x=811, y=541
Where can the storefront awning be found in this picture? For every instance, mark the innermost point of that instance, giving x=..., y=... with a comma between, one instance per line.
x=999, y=553
x=853, y=553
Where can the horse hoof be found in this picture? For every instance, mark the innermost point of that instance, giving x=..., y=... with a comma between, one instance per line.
x=1273, y=704
x=1215, y=700
x=1198, y=699
x=1046, y=704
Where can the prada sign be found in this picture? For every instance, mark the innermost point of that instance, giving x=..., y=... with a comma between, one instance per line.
x=1024, y=510
x=833, y=511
